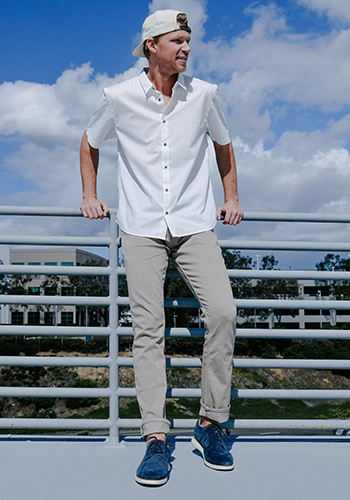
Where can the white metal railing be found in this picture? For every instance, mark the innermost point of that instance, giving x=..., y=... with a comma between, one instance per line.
x=113, y=362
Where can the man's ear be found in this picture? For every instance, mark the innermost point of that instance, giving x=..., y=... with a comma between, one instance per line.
x=151, y=45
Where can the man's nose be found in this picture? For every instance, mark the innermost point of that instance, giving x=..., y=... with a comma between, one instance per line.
x=186, y=48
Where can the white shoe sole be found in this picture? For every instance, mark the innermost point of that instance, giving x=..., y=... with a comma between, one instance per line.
x=199, y=447
x=151, y=482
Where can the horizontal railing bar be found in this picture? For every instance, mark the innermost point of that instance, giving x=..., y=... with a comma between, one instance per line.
x=170, y=302
x=53, y=300
x=252, y=393
x=326, y=424
x=259, y=333
x=300, y=275
x=235, y=244
x=295, y=217
x=71, y=241
x=318, y=246
x=185, y=332
x=54, y=361
x=53, y=392
x=275, y=274
x=290, y=394
x=237, y=424
x=313, y=364
x=269, y=304
x=272, y=274
x=59, y=331
x=258, y=424
x=47, y=211
x=54, y=423
x=248, y=216
x=265, y=333
x=292, y=304
x=57, y=270
x=82, y=331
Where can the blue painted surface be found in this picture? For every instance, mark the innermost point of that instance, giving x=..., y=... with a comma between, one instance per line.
x=266, y=468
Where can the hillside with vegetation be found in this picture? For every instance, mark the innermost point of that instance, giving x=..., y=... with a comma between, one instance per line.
x=177, y=377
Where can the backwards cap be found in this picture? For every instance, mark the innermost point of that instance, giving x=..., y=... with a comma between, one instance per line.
x=159, y=23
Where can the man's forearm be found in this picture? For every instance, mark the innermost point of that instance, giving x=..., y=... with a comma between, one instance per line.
x=91, y=207
x=227, y=167
x=89, y=158
x=231, y=212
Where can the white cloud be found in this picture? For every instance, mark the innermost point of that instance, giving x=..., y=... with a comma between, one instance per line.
x=59, y=112
x=335, y=9
x=270, y=62
x=50, y=120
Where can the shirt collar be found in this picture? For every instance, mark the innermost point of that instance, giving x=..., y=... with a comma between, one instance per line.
x=148, y=85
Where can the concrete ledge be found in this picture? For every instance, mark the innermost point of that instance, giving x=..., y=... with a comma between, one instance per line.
x=266, y=468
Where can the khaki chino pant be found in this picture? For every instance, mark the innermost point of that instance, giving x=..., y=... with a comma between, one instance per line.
x=199, y=260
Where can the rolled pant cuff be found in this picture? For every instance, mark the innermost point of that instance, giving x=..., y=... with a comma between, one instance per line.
x=158, y=426
x=219, y=415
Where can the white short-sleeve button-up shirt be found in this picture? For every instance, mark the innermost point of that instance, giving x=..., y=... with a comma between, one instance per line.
x=163, y=171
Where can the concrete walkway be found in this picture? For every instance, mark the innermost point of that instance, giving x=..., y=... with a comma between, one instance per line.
x=266, y=468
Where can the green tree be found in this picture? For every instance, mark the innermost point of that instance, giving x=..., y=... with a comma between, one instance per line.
x=241, y=288
x=17, y=284
x=3, y=281
x=275, y=289
x=53, y=285
x=340, y=290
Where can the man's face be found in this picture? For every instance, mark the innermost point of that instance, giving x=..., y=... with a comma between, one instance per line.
x=172, y=51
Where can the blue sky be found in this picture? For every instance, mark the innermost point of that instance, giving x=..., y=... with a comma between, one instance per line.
x=40, y=39
x=283, y=73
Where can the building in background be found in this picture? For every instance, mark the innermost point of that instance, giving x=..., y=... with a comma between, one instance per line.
x=322, y=317
x=46, y=285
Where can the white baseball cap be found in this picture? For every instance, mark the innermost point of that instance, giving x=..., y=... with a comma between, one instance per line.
x=159, y=23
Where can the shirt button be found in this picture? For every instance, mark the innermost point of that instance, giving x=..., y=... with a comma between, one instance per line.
x=164, y=121
x=164, y=144
x=166, y=166
x=167, y=190
x=166, y=213
x=159, y=99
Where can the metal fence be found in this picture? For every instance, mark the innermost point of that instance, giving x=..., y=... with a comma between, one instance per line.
x=113, y=301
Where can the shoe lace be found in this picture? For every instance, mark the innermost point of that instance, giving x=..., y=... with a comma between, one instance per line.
x=156, y=446
x=216, y=433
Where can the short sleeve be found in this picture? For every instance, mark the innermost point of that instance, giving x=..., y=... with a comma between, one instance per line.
x=217, y=127
x=101, y=126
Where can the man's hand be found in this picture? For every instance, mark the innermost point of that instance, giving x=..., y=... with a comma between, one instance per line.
x=230, y=213
x=92, y=208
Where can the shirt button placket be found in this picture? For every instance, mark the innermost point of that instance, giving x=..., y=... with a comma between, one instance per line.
x=165, y=166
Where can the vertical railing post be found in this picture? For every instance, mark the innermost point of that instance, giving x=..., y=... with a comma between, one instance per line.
x=113, y=341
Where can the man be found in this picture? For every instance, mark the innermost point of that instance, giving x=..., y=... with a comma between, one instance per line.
x=161, y=120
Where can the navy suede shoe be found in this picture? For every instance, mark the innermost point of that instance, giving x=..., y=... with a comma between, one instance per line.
x=155, y=466
x=211, y=442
